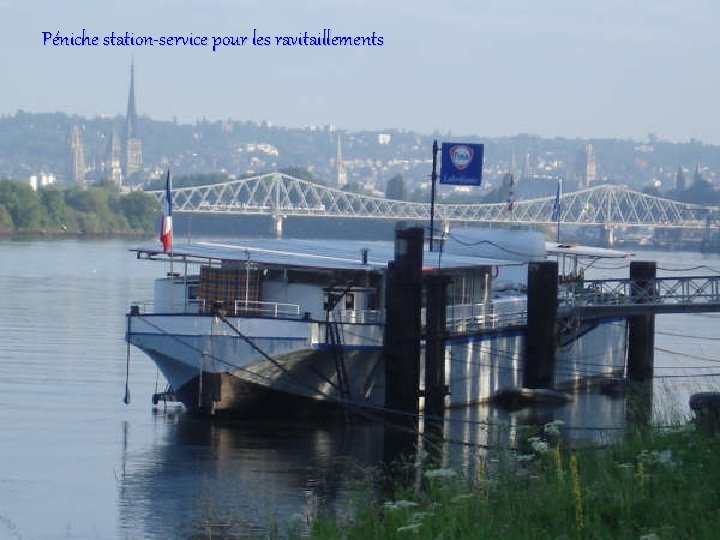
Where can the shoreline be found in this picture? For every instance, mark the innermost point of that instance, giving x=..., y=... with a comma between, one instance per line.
x=76, y=236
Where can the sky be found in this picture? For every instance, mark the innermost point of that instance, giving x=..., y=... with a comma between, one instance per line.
x=568, y=68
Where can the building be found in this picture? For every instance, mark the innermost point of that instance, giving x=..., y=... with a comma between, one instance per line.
x=77, y=157
x=113, y=170
x=340, y=165
x=586, y=166
x=41, y=180
x=132, y=154
x=527, y=171
x=697, y=176
x=680, y=179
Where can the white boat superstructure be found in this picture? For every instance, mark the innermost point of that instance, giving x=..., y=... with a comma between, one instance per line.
x=297, y=327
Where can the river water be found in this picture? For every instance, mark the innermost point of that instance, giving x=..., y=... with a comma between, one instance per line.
x=76, y=462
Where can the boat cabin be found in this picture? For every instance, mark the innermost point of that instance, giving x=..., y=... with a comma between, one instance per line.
x=300, y=279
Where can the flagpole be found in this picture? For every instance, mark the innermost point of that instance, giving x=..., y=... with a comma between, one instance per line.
x=169, y=196
x=559, y=194
x=166, y=228
x=433, y=179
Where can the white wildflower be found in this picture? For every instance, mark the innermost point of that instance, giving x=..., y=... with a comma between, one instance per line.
x=462, y=497
x=524, y=457
x=553, y=428
x=651, y=536
x=397, y=505
x=417, y=517
x=440, y=473
x=664, y=456
x=540, y=447
x=488, y=483
x=415, y=527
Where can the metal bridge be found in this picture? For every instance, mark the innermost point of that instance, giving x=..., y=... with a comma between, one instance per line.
x=279, y=195
x=628, y=297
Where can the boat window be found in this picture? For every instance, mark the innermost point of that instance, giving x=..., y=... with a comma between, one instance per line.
x=349, y=301
x=192, y=291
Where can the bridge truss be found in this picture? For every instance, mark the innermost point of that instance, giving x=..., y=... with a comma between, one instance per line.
x=280, y=195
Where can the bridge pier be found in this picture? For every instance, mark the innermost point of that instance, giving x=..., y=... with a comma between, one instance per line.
x=609, y=235
x=641, y=328
x=278, y=225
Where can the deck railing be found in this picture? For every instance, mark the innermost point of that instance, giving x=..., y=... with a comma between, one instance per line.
x=492, y=316
x=266, y=309
x=460, y=317
x=235, y=308
x=360, y=316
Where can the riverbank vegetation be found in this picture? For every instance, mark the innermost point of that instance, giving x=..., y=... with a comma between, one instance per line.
x=98, y=209
x=652, y=486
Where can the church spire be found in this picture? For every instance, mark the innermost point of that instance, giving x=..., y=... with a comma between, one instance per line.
x=131, y=116
x=132, y=150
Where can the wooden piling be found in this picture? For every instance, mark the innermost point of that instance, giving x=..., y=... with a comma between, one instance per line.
x=402, y=322
x=541, y=340
x=641, y=331
x=436, y=302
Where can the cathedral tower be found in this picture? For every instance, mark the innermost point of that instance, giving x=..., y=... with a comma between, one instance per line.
x=132, y=155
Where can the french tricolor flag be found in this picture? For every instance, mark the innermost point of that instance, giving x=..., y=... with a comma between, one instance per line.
x=166, y=230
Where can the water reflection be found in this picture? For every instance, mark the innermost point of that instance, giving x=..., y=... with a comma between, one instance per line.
x=225, y=478
x=243, y=477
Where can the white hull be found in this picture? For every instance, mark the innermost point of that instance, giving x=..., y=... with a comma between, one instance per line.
x=298, y=365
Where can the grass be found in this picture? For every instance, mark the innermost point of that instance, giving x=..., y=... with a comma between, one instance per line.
x=658, y=484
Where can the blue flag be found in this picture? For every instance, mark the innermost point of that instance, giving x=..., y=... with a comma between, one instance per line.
x=556, y=205
x=462, y=164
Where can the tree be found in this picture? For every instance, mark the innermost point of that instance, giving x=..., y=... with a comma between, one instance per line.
x=299, y=172
x=419, y=194
x=6, y=222
x=23, y=205
x=396, y=188
x=700, y=192
x=199, y=179
x=352, y=187
x=54, y=202
x=496, y=195
x=98, y=209
x=140, y=209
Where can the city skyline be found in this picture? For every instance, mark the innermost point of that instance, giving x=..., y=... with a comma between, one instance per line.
x=600, y=69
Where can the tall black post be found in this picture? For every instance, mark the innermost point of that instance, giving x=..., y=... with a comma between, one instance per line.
x=641, y=332
x=402, y=322
x=433, y=178
x=436, y=295
x=541, y=340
